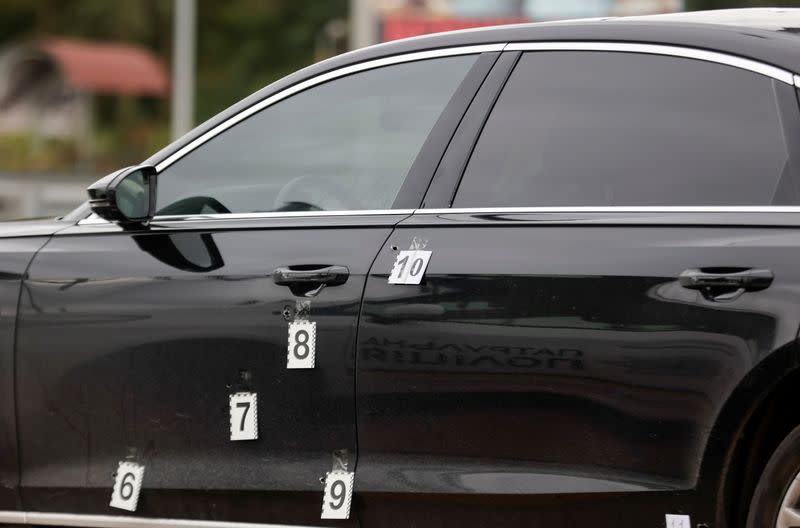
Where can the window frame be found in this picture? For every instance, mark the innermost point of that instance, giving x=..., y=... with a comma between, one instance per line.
x=426, y=159
x=441, y=195
x=456, y=151
x=486, y=55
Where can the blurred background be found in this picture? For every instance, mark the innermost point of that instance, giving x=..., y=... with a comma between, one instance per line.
x=89, y=86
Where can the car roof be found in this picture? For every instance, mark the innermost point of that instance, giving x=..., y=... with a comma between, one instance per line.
x=767, y=35
x=770, y=35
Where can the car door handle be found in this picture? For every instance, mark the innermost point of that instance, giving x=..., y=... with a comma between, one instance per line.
x=310, y=274
x=725, y=284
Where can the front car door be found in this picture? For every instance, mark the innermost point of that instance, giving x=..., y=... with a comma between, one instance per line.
x=568, y=337
x=132, y=342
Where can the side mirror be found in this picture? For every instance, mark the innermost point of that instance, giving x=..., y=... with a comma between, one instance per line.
x=127, y=197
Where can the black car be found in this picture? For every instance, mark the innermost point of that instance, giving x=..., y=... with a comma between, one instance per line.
x=535, y=275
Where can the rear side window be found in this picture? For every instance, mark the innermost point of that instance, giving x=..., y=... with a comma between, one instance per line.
x=624, y=129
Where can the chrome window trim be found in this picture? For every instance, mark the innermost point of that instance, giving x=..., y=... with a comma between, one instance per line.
x=617, y=209
x=319, y=79
x=93, y=219
x=121, y=521
x=287, y=214
x=661, y=49
x=653, y=49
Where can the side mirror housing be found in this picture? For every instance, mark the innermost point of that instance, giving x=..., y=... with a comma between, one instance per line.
x=127, y=197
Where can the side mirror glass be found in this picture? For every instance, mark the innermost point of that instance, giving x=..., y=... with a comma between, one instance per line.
x=126, y=196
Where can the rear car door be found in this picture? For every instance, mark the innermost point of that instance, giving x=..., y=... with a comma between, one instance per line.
x=620, y=252
x=132, y=342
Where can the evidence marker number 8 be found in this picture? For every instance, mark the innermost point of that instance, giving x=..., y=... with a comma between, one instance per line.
x=302, y=349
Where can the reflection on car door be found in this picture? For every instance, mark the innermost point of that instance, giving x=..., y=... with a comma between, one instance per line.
x=16, y=252
x=130, y=346
x=568, y=350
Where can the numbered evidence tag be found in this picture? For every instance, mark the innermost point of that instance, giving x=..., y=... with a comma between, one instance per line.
x=302, y=345
x=409, y=267
x=338, y=494
x=244, y=416
x=127, y=486
x=678, y=521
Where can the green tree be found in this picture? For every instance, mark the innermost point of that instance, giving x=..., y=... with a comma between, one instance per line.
x=242, y=45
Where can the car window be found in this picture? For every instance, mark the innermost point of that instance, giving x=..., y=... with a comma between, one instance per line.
x=619, y=129
x=346, y=144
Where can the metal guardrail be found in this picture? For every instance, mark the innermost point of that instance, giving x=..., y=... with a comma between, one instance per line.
x=27, y=195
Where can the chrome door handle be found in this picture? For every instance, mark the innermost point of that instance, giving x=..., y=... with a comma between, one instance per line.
x=310, y=274
x=725, y=284
x=750, y=279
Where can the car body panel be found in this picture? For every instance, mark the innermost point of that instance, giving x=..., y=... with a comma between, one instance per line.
x=19, y=242
x=547, y=357
x=131, y=342
x=15, y=255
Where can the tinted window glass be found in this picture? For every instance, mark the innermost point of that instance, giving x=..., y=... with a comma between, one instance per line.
x=606, y=129
x=346, y=144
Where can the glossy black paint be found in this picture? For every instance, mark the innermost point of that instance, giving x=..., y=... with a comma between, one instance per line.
x=550, y=370
x=546, y=356
x=129, y=343
x=19, y=242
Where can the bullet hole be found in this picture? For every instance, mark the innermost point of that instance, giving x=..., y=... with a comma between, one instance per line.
x=287, y=312
x=394, y=248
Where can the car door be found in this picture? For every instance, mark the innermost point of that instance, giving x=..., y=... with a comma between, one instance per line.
x=132, y=342
x=617, y=257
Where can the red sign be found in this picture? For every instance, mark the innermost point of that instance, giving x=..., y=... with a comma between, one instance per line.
x=403, y=26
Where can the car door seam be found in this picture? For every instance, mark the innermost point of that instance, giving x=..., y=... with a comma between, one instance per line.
x=358, y=327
